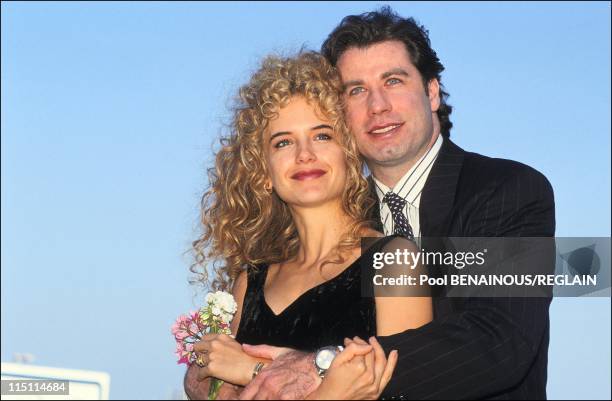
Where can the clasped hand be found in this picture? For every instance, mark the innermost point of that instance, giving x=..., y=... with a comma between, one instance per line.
x=223, y=358
x=357, y=374
x=360, y=371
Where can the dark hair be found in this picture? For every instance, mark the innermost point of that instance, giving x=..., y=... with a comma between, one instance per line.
x=382, y=25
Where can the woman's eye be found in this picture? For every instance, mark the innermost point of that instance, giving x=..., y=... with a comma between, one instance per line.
x=356, y=90
x=323, y=137
x=282, y=143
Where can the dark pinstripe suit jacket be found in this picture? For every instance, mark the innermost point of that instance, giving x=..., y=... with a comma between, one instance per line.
x=478, y=348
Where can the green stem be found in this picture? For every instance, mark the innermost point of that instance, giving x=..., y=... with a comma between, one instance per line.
x=213, y=391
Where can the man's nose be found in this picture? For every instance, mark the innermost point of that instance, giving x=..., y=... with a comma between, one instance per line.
x=378, y=102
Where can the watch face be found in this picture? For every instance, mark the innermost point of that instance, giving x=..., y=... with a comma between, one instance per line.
x=325, y=358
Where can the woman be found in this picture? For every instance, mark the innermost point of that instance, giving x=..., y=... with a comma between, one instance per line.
x=284, y=215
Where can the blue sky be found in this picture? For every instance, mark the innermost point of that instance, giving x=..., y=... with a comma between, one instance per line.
x=110, y=112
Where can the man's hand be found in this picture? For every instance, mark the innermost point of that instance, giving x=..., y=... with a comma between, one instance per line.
x=195, y=389
x=290, y=376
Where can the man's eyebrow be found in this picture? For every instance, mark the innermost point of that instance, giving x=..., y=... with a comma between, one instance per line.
x=354, y=82
x=280, y=133
x=395, y=71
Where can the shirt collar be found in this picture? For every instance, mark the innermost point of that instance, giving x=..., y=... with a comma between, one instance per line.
x=411, y=184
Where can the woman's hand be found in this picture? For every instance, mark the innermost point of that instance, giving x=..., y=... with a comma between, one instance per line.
x=223, y=358
x=355, y=375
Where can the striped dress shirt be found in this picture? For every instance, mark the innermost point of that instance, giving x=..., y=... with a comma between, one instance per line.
x=409, y=187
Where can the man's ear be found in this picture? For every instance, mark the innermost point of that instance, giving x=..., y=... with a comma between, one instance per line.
x=433, y=91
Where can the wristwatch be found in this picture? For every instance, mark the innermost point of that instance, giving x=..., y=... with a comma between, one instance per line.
x=324, y=357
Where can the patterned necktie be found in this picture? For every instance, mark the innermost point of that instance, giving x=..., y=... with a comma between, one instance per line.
x=396, y=205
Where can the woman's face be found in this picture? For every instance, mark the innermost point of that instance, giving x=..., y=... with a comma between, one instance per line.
x=306, y=163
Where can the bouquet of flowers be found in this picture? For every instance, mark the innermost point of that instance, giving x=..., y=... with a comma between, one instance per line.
x=213, y=318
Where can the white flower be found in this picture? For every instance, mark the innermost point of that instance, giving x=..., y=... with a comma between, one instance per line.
x=226, y=318
x=209, y=298
x=222, y=305
x=228, y=303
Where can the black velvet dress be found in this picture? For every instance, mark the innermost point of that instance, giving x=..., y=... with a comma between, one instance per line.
x=322, y=316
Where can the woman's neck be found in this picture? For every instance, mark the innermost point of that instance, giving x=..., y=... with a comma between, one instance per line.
x=320, y=230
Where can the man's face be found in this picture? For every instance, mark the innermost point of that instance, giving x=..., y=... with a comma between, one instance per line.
x=387, y=107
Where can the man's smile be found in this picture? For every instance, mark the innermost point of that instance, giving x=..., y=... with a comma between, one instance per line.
x=385, y=129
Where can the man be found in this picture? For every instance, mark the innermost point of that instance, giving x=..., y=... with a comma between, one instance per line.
x=427, y=186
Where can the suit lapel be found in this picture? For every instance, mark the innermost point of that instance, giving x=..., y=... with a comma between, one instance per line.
x=374, y=213
x=439, y=191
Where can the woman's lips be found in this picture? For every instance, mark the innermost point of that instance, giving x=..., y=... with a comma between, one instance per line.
x=308, y=175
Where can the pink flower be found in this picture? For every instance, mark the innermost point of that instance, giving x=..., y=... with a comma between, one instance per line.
x=181, y=335
x=194, y=328
x=187, y=329
x=180, y=323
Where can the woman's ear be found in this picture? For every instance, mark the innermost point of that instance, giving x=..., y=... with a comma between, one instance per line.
x=268, y=186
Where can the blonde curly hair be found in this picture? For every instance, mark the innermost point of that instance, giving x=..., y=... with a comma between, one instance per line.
x=245, y=225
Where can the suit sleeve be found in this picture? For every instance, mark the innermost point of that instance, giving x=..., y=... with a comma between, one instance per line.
x=486, y=345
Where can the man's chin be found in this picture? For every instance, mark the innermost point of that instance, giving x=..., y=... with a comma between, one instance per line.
x=387, y=159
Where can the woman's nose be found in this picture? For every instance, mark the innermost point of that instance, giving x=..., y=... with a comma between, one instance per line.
x=305, y=153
